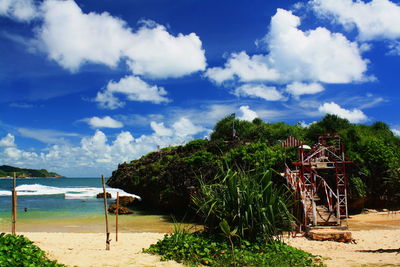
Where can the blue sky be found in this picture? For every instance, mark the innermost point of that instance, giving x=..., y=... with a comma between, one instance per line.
x=88, y=84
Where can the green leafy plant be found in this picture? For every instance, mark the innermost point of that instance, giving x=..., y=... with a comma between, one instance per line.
x=248, y=201
x=229, y=234
x=20, y=251
x=213, y=250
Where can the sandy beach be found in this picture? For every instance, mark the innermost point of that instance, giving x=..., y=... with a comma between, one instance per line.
x=88, y=249
x=377, y=238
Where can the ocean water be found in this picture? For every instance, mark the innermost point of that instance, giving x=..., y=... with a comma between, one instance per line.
x=67, y=204
x=55, y=195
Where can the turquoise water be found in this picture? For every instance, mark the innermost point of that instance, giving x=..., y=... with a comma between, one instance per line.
x=68, y=205
x=57, y=196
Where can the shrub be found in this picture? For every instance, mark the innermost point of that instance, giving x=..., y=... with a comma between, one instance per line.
x=248, y=201
x=20, y=251
x=202, y=248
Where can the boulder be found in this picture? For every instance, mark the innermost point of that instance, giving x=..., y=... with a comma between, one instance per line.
x=121, y=209
x=126, y=201
x=101, y=195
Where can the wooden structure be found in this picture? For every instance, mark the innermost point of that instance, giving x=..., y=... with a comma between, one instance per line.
x=106, y=213
x=14, y=205
x=318, y=180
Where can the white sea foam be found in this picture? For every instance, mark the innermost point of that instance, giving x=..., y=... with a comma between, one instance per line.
x=67, y=192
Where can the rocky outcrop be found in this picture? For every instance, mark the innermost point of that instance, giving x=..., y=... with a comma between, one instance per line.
x=165, y=180
x=125, y=205
x=121, y=209
x=101, y=195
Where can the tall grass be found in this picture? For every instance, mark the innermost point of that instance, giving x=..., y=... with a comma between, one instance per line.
x=248, y=201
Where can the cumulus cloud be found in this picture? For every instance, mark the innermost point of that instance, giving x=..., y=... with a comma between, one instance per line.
x=245, y=68
x=298, y=88
x=184, y=127
x=396, y=132
x=376, y=19
x=107, y=100
x=134, y=88
x=269, y=93
x=354, y=115
x=160, y=129
x=20, y=10
x=73, y=38
x=294, y=55
x=105, y=122
x=247, y=113
x=97, y=154
x=7, y=141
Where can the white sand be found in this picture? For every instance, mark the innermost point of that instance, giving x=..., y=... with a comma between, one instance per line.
x=366, y=251
x=377, y=236
x=88, y=249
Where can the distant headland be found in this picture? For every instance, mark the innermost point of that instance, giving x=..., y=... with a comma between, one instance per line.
x=8, y=171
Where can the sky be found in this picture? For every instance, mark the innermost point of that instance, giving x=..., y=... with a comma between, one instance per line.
x=88, y=84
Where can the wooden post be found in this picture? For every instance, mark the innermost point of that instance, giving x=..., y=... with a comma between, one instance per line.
x=116, y=218
x=14, y=205
x=106, y=213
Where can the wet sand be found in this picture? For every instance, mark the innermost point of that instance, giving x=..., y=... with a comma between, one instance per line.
x=91, y=224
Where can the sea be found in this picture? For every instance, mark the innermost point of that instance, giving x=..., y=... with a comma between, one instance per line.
x=68, y=205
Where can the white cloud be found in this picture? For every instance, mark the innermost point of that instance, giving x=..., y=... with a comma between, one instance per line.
x=295, y=55
x=155, y=53
x=184, y=127
x=396, y=132
x=269, y=93
x=107, y=100
x=216, y=112
x=46, y=135
x=15, y=154
x=21, y=10
x=134, y=88
x=160, y=129
x=245, y=68
x=354, y=115
x=376, y=19
x=97, y=154
x=7, y=141
x=304, y=124
x=105, y=122
x=394, y=48
x=247, y=113
x=73, y=38
x=298, y=89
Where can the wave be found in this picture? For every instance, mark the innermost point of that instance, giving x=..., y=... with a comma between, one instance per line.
x=67, y=192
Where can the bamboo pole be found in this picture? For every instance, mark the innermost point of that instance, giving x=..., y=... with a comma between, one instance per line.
x=14, y=205
x=116, y=218
x=106, y=213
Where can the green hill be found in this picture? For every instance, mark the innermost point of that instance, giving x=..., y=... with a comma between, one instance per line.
x=6, y=170
x=167, y=179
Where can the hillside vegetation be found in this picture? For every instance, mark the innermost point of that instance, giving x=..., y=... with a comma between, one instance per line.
x=167, y=179
x=6, y=170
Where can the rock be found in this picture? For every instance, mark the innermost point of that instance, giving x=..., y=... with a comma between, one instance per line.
x=121, y=209
x=126, y=201
x=101, y=195
x=338, y=236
